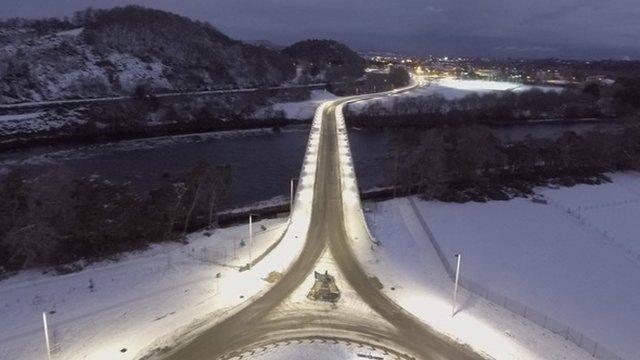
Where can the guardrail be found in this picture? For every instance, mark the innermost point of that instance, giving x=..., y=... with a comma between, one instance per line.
x=355, y=222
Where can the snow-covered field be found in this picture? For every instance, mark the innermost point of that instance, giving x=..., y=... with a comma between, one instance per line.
x=452, y=89
x=575, y=260
x=127, y=304
x=301, y=110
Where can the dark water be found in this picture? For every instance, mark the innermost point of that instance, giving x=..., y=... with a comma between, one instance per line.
x=262, y=162
x=374, y=163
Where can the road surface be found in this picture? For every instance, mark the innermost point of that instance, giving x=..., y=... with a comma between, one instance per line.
x=255, y=325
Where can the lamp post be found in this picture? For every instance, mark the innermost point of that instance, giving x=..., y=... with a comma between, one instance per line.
x=455, y=286
x=291, y=197
x=250, y=237
x=46, y=334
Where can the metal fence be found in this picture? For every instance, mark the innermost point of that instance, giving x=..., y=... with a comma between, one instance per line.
x=584, y=342
x=607, y=238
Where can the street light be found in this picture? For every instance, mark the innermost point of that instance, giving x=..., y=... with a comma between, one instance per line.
x=291, y=197
x=250, y=239
x=455, y=287
x=46, y=334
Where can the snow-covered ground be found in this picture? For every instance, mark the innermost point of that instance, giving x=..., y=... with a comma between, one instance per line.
x=33, y=122
x=483, y=86
x=314, y=349
x=301, y=110
x=127, y=304
x=149, y=300
x=575, y=260
x=452, y=89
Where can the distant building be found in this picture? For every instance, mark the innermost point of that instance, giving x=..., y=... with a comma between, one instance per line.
x=600, y=79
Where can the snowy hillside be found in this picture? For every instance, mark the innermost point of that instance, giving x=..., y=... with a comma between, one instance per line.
x=112, y=52
x=325, y=60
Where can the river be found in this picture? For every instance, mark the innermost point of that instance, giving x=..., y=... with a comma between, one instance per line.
x=262, y=161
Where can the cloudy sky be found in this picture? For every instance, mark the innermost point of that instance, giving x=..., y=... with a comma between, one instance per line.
x=515, y=28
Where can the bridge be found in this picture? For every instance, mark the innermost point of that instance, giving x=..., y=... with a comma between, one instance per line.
x=326, y=218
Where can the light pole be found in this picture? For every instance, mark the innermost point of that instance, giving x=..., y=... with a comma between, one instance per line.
x=46, y=334
x=455, y=286
x=250, y=237
x=291, y=197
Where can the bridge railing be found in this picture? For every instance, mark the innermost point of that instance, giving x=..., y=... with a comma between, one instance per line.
x=355, y=221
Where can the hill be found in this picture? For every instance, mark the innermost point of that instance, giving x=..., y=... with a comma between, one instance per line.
x=112, y=52
x=326, y=60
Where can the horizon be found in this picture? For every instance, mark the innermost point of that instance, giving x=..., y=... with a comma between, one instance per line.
x=556, y=33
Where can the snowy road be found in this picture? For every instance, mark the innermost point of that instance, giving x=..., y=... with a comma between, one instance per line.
x=266, y=321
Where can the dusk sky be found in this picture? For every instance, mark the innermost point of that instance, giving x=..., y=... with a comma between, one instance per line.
x=500, y=28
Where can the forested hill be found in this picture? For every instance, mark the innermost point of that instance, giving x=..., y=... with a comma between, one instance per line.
x=327, y=60
x=113, y=52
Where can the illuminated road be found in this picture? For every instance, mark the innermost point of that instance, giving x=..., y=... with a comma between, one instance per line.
x=261, y=323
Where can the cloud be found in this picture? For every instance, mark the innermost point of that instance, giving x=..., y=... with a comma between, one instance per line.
x=524, y=49
x=559, y=28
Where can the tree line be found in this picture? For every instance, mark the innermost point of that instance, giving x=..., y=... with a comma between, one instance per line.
x=590, y=101
x=487, y=109
x=468, y=163
x=56, y=218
